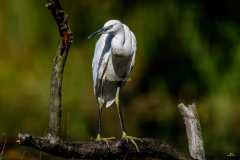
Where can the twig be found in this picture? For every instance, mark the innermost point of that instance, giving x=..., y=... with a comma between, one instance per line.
x=3, y=146
x=193, y=128
x=114, y=149
x=55, y=100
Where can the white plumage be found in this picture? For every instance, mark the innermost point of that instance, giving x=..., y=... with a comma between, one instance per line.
x=114, y=57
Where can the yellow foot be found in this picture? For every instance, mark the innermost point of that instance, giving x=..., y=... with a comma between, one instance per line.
x=132, y=139
x=99, y=138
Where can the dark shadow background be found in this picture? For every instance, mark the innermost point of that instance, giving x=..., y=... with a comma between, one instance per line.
x=188, y=51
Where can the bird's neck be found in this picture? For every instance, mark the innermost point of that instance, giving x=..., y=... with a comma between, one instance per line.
x=118, y=40
x=122, y=42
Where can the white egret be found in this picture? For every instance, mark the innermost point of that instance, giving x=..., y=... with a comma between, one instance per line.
x=114, y=57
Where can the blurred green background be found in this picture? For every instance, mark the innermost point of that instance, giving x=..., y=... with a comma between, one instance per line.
x=188, y=51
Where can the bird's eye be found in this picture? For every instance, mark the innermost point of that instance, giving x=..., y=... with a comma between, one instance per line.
x=110, y=26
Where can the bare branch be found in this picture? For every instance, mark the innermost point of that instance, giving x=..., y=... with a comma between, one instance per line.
x=55, y=100
x=114, y=149
x=193, y=128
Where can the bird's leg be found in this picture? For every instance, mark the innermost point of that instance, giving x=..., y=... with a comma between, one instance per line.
x=99, y=137
x=99, y=122
x=120, y=116
x=124, y=134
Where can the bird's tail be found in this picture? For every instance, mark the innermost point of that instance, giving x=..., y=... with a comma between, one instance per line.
x=107, y=104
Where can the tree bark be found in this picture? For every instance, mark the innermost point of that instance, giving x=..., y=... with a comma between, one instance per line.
x=113, y=149
x=194, y=133
x=55, y=100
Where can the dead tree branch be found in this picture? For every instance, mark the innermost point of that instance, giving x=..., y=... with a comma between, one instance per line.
x=114, y=149
x=55, y=100
x=194, y=133
x=53, y=144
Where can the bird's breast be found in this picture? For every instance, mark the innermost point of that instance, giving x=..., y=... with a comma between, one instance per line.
x=118, y=68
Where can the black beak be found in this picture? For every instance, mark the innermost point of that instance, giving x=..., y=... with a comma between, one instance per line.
x=98, y=32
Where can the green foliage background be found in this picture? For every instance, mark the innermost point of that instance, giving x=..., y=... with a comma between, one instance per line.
x=188, y=51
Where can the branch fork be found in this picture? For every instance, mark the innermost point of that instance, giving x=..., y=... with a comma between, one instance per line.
x=114, y=149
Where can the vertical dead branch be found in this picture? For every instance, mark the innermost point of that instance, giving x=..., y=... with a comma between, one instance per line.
x=193, y=128
x=55, y=100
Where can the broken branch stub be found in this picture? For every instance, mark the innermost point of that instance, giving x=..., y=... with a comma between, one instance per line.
x=194, y=133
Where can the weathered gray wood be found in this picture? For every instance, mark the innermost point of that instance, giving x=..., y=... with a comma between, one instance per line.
x=55, y=100
x=194, y=133
x=113, y=149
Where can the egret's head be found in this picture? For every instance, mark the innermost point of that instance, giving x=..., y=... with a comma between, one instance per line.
x=111, y=26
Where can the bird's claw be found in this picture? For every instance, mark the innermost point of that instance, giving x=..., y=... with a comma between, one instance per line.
x=99, y=138
x=132, y=139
